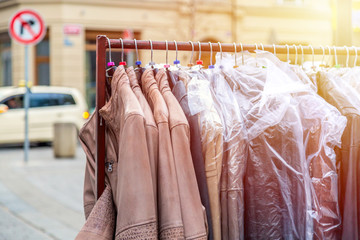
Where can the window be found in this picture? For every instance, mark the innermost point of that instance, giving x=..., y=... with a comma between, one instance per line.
x=50, y=99
x=42, y=62
x=14, y=102
x=5, y=60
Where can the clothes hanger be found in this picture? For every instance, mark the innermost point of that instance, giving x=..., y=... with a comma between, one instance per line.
x=262, y=46
x=274, y=49
x=138, y=70
x=287, y=54
x=169, y=74
x=122, y=63
x=152, y=63
x=221, y=55
x=356, y=55
x=336, y=60
x=329, y=56
x=235, y=66
x=211, y=66
x=302, y=56
x=111, y=65
x=176, y=62
x=242, y=54
x=192, y=54
x=313, y=55
x=199, y=61
x=347, y=56
x=323, y=57
x=256, y=48
x=296, y=54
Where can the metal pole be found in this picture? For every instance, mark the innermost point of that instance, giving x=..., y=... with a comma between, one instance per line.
x=26, y=105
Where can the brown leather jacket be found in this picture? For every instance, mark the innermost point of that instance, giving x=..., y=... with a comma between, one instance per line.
x=169, y=216
x=192, y=211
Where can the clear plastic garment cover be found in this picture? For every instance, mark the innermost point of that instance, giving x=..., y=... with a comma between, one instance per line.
x=278, y=165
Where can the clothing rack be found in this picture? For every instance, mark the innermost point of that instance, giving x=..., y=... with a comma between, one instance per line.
x=103, y=43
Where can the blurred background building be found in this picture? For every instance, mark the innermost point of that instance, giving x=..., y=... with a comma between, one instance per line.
x=66, y=56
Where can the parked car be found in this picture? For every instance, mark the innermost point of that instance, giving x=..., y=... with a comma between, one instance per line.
x=48, y=105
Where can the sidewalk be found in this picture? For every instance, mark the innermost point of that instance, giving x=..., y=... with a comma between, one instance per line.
x=41, y=199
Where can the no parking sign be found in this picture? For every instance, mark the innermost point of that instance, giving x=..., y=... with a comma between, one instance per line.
x=27, y=27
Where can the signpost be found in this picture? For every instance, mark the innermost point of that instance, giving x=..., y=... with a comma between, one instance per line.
x=26, y=27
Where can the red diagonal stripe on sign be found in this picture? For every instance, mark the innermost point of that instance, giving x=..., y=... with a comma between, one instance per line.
x=26, y=25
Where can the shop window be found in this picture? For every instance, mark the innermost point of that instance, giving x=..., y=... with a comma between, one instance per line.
x=42, y=62
x=5, y=60
x=129, y=57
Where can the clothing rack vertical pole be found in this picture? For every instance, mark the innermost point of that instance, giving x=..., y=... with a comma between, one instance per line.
x=101, y=46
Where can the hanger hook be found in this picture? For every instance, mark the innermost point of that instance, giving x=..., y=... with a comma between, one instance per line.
x=296, y=54
x=122, y=49
x=192, y=52
x=199, y=50
x=356, y=55
x=110, y=61
x=274, y=50
x=312, y=51
x=211, y=56
x=242, y=53
x=323, y=49
x=302, y=54
x=235, y=55
x=256, y=46
x=167, y=52
x=336, y=61
x=287, y=53
x=176, y=62
x=220, y=50
x=347, y=56
x=152, y=54
x=138, y=63
x=262, y=46
x=328, y=47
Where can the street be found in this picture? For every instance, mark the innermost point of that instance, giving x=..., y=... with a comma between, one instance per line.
x=40, y=199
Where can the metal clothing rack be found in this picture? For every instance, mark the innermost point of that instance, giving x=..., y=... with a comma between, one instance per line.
x=102, y=43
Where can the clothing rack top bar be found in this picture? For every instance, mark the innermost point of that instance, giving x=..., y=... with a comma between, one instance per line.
x=229, y=47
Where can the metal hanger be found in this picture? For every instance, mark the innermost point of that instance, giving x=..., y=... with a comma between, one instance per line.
x=302, y=55
x=122, y=63
x=242, y=54
x=199, y=61
x=323, y=57
x=327, y=63
x=262, y=46
x=211, y=66
x=235, y=66
x=274, y=49
x=336, y=60
x=176, y=62
x=111, y=65
x=140, y=70
x=221, y=55
x=313, y=55
x=347, y=56
x=192, y=54
x=152, y=63
x=287, y=54
x=356, y=55
x=170, y=76
x=296, y=54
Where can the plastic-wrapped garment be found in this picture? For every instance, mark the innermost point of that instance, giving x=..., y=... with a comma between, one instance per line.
x=234, y=157
x=291, y=134
x=348, y=156
x=201, y=102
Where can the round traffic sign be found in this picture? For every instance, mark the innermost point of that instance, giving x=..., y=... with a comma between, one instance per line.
x=27, y=27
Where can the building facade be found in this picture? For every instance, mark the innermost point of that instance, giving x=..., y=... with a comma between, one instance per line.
x=66, y=56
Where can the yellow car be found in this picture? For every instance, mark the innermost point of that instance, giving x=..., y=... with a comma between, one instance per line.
x=48, y=105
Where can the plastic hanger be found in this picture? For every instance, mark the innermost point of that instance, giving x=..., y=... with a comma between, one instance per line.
x=242, y=54
x=327, y=62
x=313, y=56
x=323, y=57
x=274, y=49
x=176, y=62
x=287, y=54
x=170, y=76
x=336, y=60
x=302, y=56
x=111, y=65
